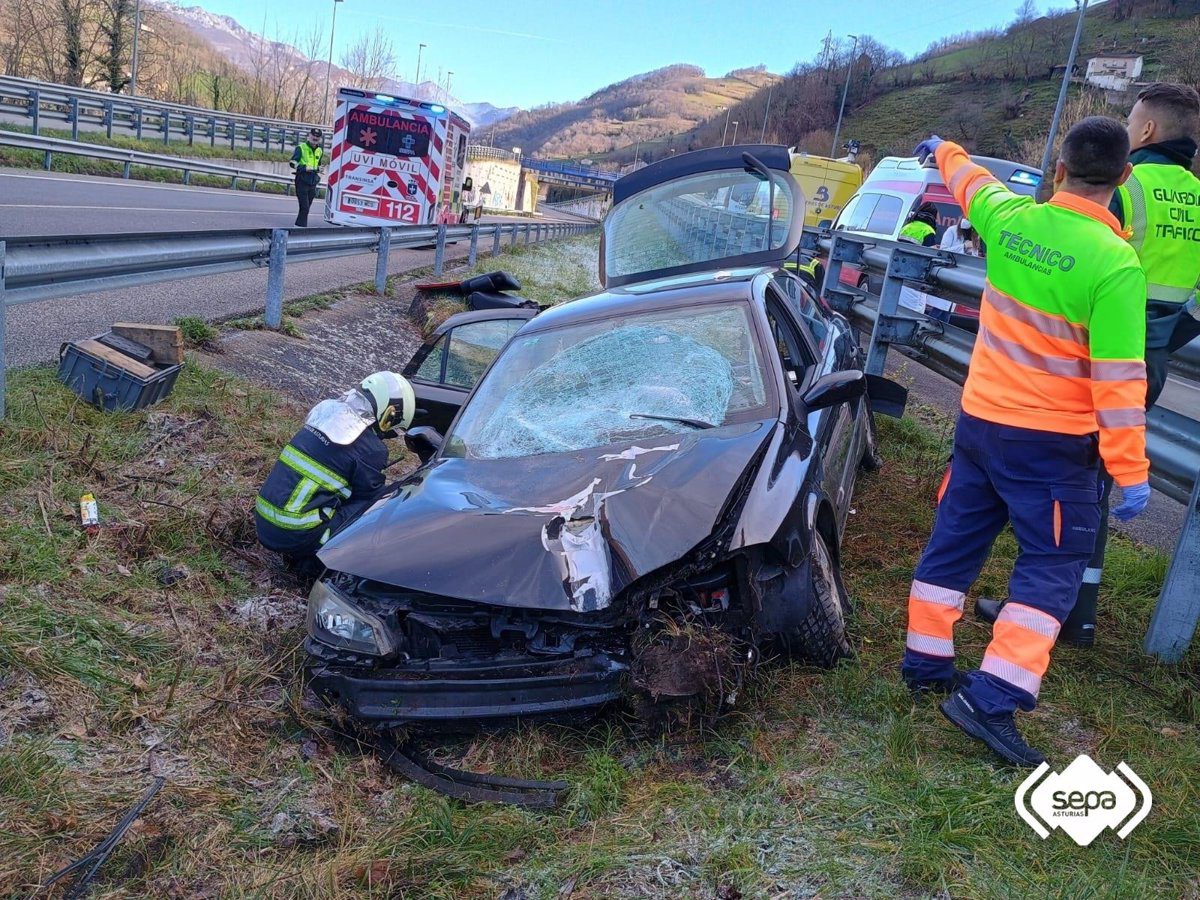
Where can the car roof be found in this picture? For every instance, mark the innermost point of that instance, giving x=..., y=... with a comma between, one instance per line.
x=676, y=292
x=908, y=170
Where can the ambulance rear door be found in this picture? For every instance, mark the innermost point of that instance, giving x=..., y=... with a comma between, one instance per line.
x=387, y=161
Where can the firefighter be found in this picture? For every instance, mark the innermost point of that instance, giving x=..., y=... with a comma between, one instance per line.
x=921, y=227
x=1056, y=383
x=1160, y=205
x=332, y=470
x=306, y=161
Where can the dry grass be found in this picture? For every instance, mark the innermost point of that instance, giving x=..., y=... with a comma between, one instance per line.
x=815, y=783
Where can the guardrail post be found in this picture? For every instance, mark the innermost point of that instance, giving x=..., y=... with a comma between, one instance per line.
x=166, y=126
x=108, y=118
x=47, y=158
x=232, y=135
x=212, y=131
x=126, y=169
x=473, y=253
x=276, y=263
x=527, y=226
x=836, y=294
x=35, y=108
x=187, y=176
x=513, y=237
x=191, y=129
x=381, y=260
x=74, y=114
x=1178, y=611
x=891, y=327
x=496, y=240
x=3, y=326
x=250, y=134
x=439, y=251
x=137, y=119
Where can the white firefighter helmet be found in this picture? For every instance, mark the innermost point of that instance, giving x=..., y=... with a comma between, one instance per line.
x=392, y=398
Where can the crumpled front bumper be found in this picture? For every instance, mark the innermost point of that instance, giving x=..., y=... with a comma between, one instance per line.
x=469, y=694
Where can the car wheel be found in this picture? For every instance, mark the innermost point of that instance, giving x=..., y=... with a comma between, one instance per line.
x=871, y=460
x=821, y=638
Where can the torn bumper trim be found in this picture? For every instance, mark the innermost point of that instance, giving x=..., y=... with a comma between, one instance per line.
x=487, y=691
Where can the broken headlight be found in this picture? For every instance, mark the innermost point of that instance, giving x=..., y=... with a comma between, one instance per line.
x=335, y=620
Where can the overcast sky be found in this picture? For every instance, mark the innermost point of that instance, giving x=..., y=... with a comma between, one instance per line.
x=528, y=52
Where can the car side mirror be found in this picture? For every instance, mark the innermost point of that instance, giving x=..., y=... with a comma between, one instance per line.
x=825, y=224
x=837, y=387
x=424, y=440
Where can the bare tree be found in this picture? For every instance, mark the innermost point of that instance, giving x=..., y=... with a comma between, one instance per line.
x=371, y=59
x=116, y=27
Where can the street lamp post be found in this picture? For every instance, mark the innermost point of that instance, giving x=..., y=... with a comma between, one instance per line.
x=329, y=62
x=449, y=74
x=1062, y=91
x=133, y=62
x=417, y=79
x=725, y=133
x=734, y=141
x=762, y=139
x=845, y=90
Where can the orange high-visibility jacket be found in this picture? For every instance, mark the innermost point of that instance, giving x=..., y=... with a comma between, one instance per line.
x=1062, y=327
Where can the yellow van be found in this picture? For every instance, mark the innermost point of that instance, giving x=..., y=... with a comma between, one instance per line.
x=828, y=186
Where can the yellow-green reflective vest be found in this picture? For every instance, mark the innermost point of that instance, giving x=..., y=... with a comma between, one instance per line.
x=1161, y=205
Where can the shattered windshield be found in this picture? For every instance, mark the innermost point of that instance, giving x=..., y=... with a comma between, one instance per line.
x=620, y=379
x=706, y=217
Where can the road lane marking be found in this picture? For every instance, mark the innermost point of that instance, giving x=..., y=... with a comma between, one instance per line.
x=146, y=185
x=170, y=209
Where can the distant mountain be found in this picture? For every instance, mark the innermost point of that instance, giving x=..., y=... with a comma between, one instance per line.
x=643, y=108
x=245, y=49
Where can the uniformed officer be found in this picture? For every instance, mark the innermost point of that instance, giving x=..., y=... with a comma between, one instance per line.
x=1056, y=383
x=306, y=162
x=921, y=227
x=1160, y=206
x=332, y=470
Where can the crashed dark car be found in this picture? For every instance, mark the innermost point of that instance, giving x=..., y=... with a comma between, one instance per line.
x=675, y=455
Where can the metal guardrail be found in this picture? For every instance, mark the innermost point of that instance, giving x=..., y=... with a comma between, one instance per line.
x=1173, y=440
x=48, y=146
x=45, y=268
x=43, y=103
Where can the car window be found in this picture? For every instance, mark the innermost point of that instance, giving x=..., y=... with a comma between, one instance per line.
x=860, y=216
x=886, y=215
x=473, y=346
x=431, y=367
x=794, y=352
x=803, y=304
x=847, y=212
x=630, y=377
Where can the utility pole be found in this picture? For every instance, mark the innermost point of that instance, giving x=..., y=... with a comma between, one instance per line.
x=1062, y=91
x=725, y=133
x=329, y=62
x=137, y=27
x=762, y=139
x=845, y=90
x=417, y=79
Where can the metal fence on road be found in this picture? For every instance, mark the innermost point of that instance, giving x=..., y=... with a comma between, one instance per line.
x=1173, y=439
x=45, y=268
x=48, y=146
x=43, y=104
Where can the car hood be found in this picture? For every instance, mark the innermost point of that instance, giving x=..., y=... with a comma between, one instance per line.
x=562, y=531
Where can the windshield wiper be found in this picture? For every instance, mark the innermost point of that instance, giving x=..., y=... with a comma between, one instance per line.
x=694, y=423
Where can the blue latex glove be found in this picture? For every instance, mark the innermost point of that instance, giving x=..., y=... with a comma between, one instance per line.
x=1133, y=500
x=927, y=146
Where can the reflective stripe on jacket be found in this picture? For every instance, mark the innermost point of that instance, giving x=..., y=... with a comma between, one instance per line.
x=1062, y=331
x=310, y=159
x=1161, y=206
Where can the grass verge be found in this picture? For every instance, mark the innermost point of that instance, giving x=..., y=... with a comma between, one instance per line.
x=166, y=643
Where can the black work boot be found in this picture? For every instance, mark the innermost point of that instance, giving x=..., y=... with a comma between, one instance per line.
x=998, y=732
x=988, y=608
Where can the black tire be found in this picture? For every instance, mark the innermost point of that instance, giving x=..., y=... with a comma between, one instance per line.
x=822, y=637
x=871, y=460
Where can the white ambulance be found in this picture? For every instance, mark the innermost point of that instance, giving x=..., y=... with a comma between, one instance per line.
x=394, y=161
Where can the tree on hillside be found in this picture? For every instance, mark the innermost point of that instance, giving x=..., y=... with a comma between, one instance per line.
x=116, y=27
x=371, y=59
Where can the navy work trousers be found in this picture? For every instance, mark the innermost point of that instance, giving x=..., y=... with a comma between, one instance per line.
x=1047, y=486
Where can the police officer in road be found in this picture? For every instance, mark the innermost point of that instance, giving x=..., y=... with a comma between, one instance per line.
x=1159, y=206
x=1057, y=382
x=306, y=162
x=332, y=470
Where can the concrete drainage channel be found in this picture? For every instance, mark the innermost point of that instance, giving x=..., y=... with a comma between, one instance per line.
x=36, y=269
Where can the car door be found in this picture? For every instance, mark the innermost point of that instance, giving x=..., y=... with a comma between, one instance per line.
x=447, y=366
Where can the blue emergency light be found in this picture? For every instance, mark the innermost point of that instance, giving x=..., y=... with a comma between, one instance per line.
x=1029, y=179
